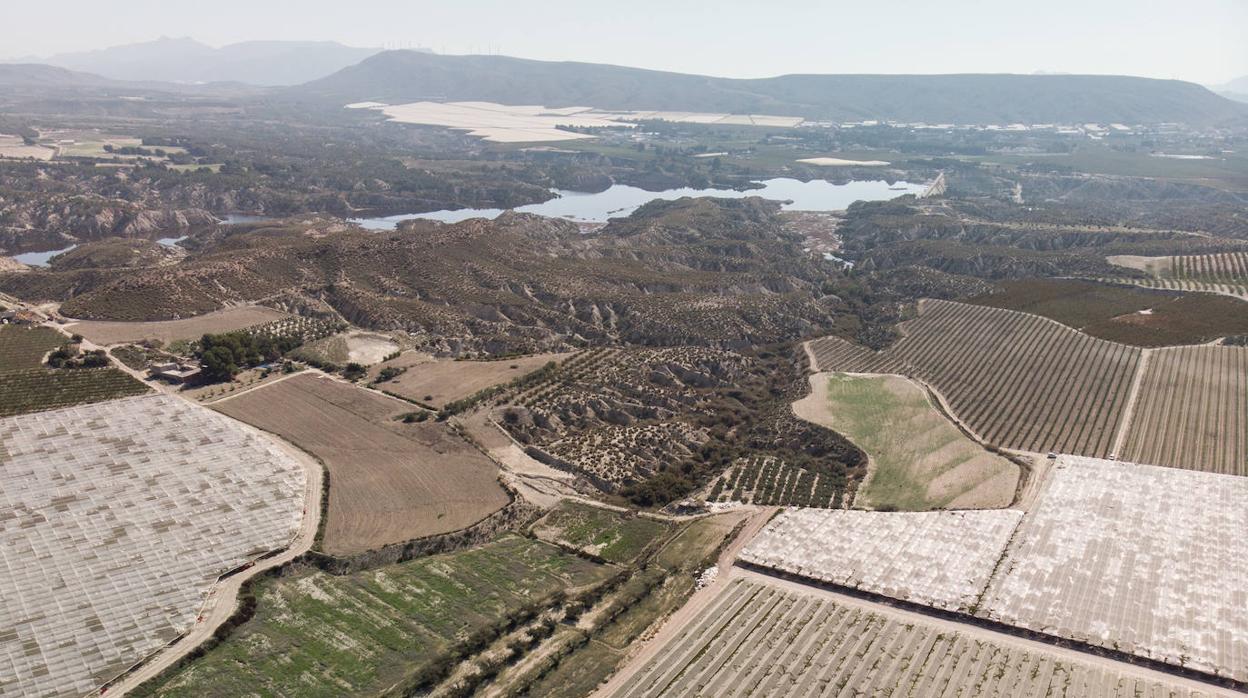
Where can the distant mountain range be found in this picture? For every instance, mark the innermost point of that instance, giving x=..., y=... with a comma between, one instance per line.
x=1236, y=89
x=188, y=61
x=404, y=76
x=331, y=75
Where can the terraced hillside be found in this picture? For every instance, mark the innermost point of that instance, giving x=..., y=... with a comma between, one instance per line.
x=1193, y=410
x=760, y=639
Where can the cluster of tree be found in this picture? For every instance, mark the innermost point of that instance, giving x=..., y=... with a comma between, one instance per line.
x=222, y=356
x=69, y=356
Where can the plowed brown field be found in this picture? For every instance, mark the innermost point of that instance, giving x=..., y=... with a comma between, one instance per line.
x=388, y=481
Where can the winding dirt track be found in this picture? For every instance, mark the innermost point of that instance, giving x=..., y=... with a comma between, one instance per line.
x=223, y=598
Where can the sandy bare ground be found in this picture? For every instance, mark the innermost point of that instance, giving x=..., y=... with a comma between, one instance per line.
x=537, y=482
x=1157, y=266
x=437, y=382
x=841, y=162
x=644, y=652
x=107, y=332
x=223, y=598
x=15, y=147
x=951, y=468
x=1133, y=398
x=389, y=482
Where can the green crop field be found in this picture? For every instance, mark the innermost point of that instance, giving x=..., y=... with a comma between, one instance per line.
x=314, y=634
x=919, y=460
x=613, y=536
x=24, y=347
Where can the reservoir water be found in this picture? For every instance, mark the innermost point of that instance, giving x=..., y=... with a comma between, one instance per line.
x=40, y=259
x=621, y=200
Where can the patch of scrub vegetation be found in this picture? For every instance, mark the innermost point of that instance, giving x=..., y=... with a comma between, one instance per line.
x=919, y=460
x=613, y=536
x=315, y=634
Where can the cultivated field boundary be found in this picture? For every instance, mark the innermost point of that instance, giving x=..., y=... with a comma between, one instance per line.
x=221, y=607
x=977, y=622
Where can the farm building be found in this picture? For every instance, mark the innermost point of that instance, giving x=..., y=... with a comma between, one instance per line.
x=175, y=372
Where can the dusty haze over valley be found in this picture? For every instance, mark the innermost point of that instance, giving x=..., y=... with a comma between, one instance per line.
x=496, y=349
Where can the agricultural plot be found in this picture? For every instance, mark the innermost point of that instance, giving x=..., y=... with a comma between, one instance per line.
x=769, y=481
x=942, y=559
x=1192, y=411
x=1124, y=313
x=611, y=535
x=115, y=522
x=756, y=639
x=1142, y=559
x=836, y=354
x=168, y=331
x=316, y=634
x=15, y=147
x=364, y=348
x=44, y=389
x=1233, y=290
x=918, y=459
x=1225, y=273
x=437, y=382
x=389, y=482
x=1019, y=380
x=24, y=347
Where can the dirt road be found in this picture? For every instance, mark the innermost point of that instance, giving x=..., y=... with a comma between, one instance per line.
x=224, y=595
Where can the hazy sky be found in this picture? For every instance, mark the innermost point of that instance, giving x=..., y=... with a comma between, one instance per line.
x=1200, y=40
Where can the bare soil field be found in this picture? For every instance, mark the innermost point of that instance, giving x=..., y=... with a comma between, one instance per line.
x=1143, y=559
x=116, y=520
x=941, y=559
x=918, y=459
x=16, y=148
x=389, y=482
x=1192, y=411
x=438, y=382
x=364, y=348
x=759, y=638
x=166, y=331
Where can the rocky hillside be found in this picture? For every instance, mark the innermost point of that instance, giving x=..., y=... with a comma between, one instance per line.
x=695, y=271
